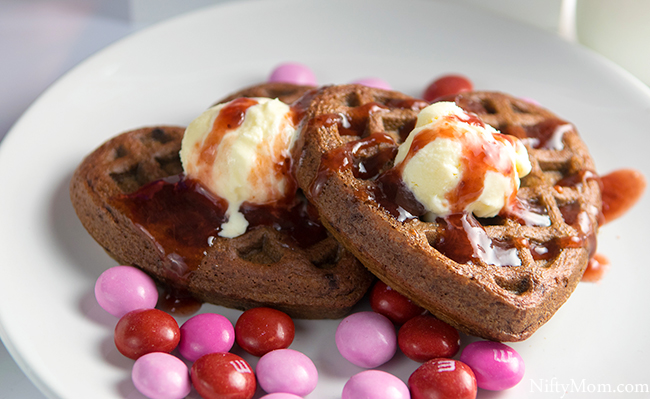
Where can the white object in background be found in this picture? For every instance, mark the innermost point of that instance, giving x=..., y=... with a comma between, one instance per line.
x=619, y=30
x=567, y=23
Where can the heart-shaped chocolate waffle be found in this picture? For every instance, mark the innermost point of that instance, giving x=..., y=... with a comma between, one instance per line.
x=130, y=196
x=500, y=277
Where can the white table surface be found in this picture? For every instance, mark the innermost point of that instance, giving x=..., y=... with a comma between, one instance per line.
x=40, y=40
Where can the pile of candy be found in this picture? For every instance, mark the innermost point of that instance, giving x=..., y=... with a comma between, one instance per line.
x=366, y=339
x=149, y=335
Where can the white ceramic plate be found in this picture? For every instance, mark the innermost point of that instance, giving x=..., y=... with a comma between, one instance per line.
x=168, y=74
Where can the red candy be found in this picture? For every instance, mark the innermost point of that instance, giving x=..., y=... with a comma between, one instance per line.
x=425, y=337
x=144, y=331
x=447, y=85
x=223, y=376
x=261, y=330
x=443, y=379
x=390, y=303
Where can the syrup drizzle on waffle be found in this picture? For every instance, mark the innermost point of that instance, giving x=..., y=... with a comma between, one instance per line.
x=527, y=260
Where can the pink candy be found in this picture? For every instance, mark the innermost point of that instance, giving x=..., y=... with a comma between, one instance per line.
x=374, y=82
x=286, y=371
x=205, y=333
x=375, y=384
x=160, y=375
x=122, y=289
x=495, y=365
x=292, y=72
x=366, y=339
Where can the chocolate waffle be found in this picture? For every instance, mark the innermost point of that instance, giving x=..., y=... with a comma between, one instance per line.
x=130, y=196
x=540, y=251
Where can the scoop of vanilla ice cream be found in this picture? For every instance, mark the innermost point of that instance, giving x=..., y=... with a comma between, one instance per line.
x=241, y=152
x=439, y=160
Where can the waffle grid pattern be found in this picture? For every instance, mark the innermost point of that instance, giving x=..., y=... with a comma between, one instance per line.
x=131, y=166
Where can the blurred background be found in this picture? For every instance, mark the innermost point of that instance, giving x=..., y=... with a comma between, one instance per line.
x=40, y=40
